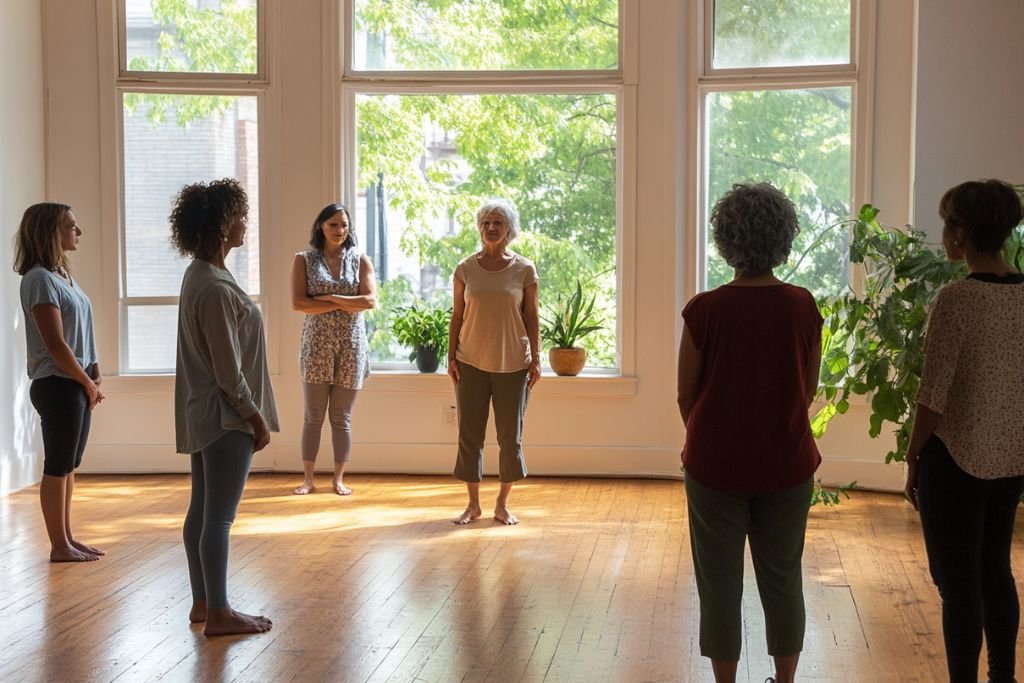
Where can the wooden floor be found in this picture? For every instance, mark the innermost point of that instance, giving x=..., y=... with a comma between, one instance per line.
x=596, y=584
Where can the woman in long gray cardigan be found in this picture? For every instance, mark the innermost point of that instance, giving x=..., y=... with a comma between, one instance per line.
x=223, y=403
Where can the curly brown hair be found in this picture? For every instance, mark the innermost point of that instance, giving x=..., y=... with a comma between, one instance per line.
x=753, y=226
x=202, y=214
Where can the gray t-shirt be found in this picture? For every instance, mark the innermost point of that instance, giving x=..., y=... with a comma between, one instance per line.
x=221, y=376
x=39, y=286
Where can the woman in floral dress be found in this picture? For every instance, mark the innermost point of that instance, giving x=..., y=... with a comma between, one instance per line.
x=332, y=284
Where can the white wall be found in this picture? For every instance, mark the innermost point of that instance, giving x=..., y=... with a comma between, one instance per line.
x=970, y=104
x=582, y=426
x=21, y=184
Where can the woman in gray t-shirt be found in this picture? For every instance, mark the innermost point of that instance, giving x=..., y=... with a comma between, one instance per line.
x=223, y=403
x=62, y=363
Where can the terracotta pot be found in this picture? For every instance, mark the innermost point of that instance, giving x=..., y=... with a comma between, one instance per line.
x=567, y=362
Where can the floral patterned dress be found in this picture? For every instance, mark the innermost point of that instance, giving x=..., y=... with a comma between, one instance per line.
x=333, y=348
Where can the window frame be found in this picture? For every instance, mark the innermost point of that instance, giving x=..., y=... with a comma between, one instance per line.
x=348, y=83
x=707, y=49
x=184, y=83
x=126, y=74
x=858, y=75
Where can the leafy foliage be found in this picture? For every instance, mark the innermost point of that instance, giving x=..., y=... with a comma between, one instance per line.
x=553, y=154
x=452, y=35
x=563, y=182
x=823, y=496
x=571, y=319
x=781, y=33
x=422, y=325
x=392, y=295
x=799, y=141
x=194, y=39
x=874, y=344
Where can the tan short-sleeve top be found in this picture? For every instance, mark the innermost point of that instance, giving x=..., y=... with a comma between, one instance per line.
x=493, y=337
x=973, y=375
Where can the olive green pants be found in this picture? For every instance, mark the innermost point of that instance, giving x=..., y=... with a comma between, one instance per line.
x=474, y=394
x=775, y=523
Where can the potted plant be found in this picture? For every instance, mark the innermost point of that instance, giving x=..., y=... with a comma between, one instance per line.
x=572, y=319
x=873, y=343
x=423, y=328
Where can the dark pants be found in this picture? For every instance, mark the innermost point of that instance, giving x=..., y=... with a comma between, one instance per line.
x=721, y=523
x=474, y=393
x=219, y=472
x=968, y=530
x=63, y=408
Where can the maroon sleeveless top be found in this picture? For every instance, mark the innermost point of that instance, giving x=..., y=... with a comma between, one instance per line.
x=749, y=429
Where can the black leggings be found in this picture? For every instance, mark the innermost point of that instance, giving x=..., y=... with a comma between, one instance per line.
x=63, y=408
x=968, y=530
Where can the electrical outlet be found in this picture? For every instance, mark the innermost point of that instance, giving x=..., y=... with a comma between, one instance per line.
x=450, y=415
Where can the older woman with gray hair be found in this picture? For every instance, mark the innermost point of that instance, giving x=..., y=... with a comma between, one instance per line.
x=494, y=354
x=748, y=370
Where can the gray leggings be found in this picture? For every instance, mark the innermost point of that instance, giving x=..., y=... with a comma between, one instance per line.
x=219, y=472
x=317, y=397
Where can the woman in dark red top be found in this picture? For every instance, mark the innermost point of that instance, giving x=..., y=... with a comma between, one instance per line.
x=748, y=370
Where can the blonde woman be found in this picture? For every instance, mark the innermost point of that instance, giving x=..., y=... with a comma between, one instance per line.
x=62, y=363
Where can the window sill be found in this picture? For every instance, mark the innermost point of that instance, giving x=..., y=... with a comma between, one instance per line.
x=138, y=384
x=406, y=381
x=550, y=384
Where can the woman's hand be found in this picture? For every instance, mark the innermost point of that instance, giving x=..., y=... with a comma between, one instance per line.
x=453, y=370
x=926, y=421
x=533, y=373
x=93, y=394
x=261, y=433
x=910, y=490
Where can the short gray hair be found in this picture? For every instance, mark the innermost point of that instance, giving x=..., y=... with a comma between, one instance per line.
x=507, y=210
x=753, y=226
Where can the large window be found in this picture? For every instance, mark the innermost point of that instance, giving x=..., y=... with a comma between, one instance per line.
x=778, y=87
x=449, y=104
x=189, y=100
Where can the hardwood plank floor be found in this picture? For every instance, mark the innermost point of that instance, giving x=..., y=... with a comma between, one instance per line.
x=595, y=584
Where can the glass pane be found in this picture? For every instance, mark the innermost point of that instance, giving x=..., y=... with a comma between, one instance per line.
x=171, y=141
x=763, y=33
x=152, y=338
x=426, y=162
x=799, y=141
x=494, y=35
x=197, y=36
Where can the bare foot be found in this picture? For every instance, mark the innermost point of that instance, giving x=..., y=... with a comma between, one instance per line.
x=307, y=487
x=197, y=614
x=504, y=516
x=229, y=622
x=341, y=489
x=71, y=554
x=87, y=548
x=470, y=515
